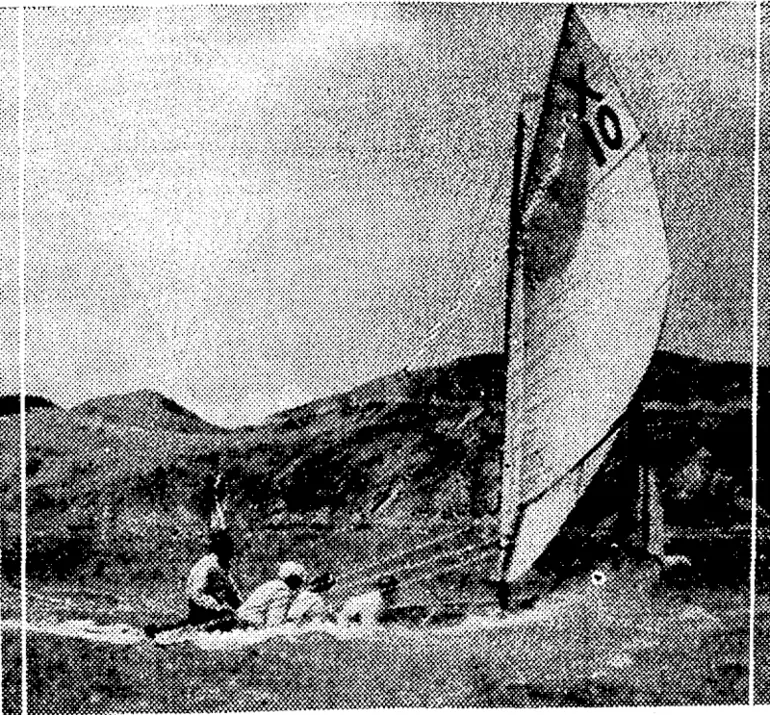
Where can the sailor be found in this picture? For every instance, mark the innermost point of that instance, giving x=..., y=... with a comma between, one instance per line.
x=211, y=595
x=370, y=607
x=310, y=606
x=269, y=604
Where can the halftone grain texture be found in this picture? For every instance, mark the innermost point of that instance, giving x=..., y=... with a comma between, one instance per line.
x=244, y=209
x=762, y=644
x=239, y=214
x=594, y=280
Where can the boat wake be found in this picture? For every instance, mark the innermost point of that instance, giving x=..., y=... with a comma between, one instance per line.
x=619, y=601
x=470, y=624
x=124, y=634
x=116, y=633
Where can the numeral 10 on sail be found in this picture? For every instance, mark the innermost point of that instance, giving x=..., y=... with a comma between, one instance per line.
x=606, y=119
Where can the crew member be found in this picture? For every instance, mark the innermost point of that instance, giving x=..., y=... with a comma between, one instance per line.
x=211, y=595
x=370, y=607
x=310, y=605
x=270, y=602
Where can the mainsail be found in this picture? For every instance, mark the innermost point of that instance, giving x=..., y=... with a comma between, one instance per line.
x=589, y=293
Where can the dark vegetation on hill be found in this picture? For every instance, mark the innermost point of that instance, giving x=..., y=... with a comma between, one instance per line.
x=11, y=404
x=673, y=379
x=353, y=478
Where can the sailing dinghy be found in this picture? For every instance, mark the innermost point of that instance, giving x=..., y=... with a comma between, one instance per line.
x=586, y=293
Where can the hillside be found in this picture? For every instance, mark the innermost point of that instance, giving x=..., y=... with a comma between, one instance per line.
x=144, y=409
x=676, y=380
x=355, y=478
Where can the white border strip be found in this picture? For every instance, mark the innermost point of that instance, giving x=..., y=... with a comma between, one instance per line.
x=22, y=374
x=755, y=348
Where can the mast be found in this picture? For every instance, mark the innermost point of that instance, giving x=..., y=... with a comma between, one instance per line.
x=513, y=359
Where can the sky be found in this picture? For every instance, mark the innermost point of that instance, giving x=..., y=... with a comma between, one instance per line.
x=246, y=208
x=9, y=217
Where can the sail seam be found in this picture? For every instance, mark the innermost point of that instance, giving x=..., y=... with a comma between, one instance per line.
x=561, y=466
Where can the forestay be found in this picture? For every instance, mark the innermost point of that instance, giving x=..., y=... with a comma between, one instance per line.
x=591, y=294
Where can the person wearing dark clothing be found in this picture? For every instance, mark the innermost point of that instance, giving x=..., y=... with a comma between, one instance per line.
x=211, y=594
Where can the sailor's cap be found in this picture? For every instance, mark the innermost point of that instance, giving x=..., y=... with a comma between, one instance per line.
x=291, y=568
x=387, y=582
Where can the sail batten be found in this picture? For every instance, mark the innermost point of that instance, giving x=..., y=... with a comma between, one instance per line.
x=594, y=269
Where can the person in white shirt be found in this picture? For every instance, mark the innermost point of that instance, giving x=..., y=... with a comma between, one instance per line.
x=310, y=606
x=211, y=594
x=210, y=590
x=270, y=602
x=369, y=608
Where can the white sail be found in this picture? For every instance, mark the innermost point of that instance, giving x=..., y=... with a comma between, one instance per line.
x=591, y=298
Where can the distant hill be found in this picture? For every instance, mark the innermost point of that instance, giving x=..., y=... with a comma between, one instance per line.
x=144, y=409
x=11, y=404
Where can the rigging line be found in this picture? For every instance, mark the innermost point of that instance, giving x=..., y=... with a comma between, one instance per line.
x=73, y=605
x=606, y=201
x=533, y=205
x=638, y=143
x=603, y=65
x=451, y=322
x=425, y=545
x=469, y=286
x=479, y=278
x=486, y=215
x=576, y=279
x=587, y=273
x=545, y=376
x=419, y=564
x=475, y=198
x=535, y=360
x=666, y=282
x=476, y=280
x=425, y=577
x=578, y=465
x=549, y=99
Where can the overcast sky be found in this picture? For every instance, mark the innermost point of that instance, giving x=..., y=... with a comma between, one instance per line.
x=249, y=207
